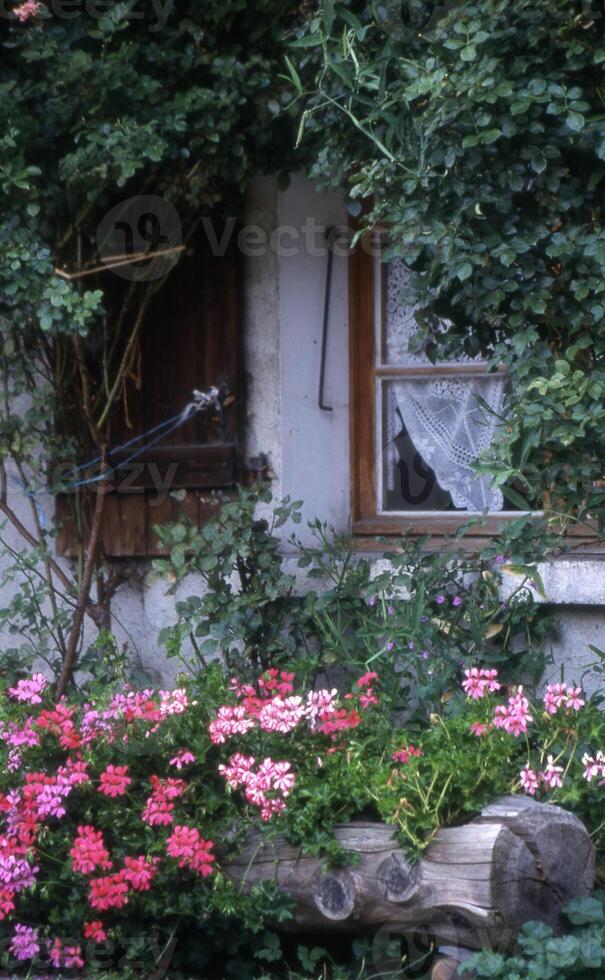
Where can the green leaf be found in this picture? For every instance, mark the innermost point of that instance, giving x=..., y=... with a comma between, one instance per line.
x=575, y=121
x=307, y=41
x=328, y=15
x=464, y=271
x=294, y=76
x=584, y=911
x=515, y=498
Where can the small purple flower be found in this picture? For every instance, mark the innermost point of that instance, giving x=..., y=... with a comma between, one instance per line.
x=390, y=610
x=499, y=559
x=411, y=645
x=456, y=601
x=424, y=619
x=390, y=646
x=372, y=600
x=425, y=654
x=440, y=600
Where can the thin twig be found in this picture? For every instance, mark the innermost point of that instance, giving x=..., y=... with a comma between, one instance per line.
x=69, y=661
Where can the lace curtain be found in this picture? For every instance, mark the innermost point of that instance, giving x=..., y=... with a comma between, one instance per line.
x=443, y=415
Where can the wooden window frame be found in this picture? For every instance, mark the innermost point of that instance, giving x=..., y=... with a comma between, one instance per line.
x=367, y=522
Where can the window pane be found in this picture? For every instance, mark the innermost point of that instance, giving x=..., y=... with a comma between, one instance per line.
x=433, y=426
x=396, y=318
x=431, y=432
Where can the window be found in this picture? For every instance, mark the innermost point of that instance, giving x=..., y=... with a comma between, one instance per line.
x=189, y=341
x=417, y=427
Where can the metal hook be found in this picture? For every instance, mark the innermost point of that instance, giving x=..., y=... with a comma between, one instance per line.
x=326, y=323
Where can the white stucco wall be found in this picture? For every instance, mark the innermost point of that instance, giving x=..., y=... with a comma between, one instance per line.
x=308, y=449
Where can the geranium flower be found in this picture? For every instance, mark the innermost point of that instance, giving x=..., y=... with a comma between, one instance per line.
x=575, y=699
x=229, y=721
x=16, y=874
x=182, y=758
x=593, y=767
x=281, y=715
x=515, y=716
x=24, y=944
x=29, y=690
x=69, y=957
x=553, y=775
x=110, y=892
x=530, y=780
x=555, y=697
x=25, y=11
x=405, y=754
x=114, y=781
x=478, y=682
x=7, y=903
x=89, y=852
x=95, y=931
x=139, y=872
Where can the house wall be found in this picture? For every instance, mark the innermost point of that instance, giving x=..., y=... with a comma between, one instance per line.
x=307, y=448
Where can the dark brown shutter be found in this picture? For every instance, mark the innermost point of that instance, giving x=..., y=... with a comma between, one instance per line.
x=190, y=340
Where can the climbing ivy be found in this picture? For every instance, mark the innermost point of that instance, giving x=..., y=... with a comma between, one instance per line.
x=101, y=103
x=476, y=131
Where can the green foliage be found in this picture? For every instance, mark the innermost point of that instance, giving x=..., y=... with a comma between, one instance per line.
x=333, y=613
x=372, y=766
x=94, y=111
x=186, y=111
x=481, y=141
x=579, y=952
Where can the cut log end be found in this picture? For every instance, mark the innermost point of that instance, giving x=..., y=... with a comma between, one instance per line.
x=334, y=894
x=445, y=968
x=399, y=879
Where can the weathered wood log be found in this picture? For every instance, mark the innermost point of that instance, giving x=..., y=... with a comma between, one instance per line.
x=474, y=887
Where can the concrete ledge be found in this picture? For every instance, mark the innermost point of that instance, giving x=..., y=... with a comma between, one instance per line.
x=566, y=583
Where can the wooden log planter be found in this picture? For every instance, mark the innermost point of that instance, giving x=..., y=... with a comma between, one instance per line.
x=474, y=887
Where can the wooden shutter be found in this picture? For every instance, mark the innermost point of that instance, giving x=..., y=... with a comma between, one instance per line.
x=190, y=340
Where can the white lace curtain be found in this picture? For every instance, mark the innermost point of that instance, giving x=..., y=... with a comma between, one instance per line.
x=443, y=416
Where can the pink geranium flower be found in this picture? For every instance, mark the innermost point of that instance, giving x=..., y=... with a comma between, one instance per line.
x=190, y=850
x=89, y=852
x=68, y=957
x=25, y=11
x=561, y=696
x=114, y=781
x=110, y=892
x=530, y=780
x=478, y=682
x=95, y=931
x=139, y=872
x=515, y=716
x=182, y=758
x=552, y=775
x=29, y=691
x=593, y=767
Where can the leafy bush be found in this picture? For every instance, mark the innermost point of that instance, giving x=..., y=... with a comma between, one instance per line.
x=477, y=137
x=580, y=952
x=414, y=617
